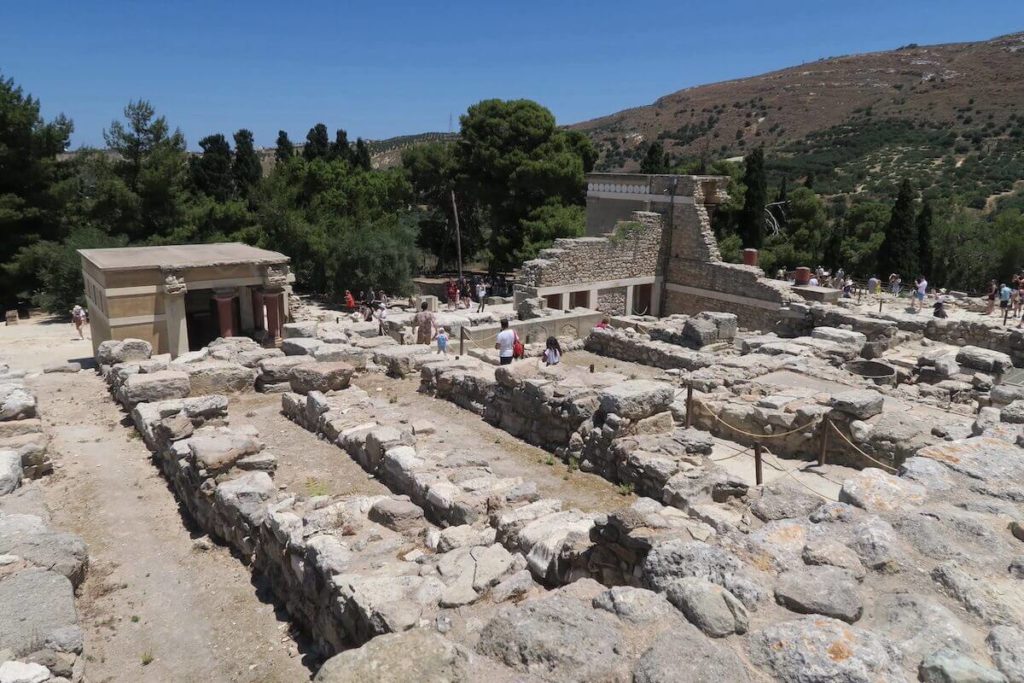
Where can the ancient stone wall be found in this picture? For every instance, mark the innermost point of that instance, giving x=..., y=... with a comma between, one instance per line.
x=630, y=250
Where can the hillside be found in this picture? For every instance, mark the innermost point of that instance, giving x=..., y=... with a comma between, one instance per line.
x=949, y=116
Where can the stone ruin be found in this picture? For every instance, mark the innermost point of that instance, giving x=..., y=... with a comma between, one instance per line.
x=465, y=569
x=40, y=567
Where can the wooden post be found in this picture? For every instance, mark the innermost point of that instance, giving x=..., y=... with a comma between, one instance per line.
x=689, y=405
x=462, y=341
x=758, y=474
x=879, y=304
x=591, y=367
x=826, y=424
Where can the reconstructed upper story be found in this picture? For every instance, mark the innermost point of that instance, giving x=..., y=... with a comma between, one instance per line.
x=181, y=297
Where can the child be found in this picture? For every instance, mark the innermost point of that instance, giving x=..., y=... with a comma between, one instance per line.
x=442, y=340
x=552, y=352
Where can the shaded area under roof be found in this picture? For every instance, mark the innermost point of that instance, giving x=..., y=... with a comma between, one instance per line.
x=180, y=256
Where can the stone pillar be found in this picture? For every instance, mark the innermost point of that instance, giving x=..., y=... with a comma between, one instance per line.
x=656, y=299
x=275, y=313
x=245, y=312
x=592, y=299
x=258, y=319
x=629, y=299
x=174, y=313
x=225, y=313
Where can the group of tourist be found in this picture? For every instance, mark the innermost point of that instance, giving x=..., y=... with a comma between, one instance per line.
x=461, y=293
x=1011, y=297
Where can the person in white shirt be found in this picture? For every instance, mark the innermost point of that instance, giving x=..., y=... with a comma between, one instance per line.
x=481, y=294
x=505, y=343
x=920, y=293
x=382, y=317
x=813, y=282
x=552, y=352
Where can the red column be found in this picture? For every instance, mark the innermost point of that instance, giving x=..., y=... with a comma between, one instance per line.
x=750, y=257
x=225, y=314
x=274, y=301
x=257, y=310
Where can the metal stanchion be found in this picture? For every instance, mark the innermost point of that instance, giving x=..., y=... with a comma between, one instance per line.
x=689, y=405
x=825, y=426
x=758, y=475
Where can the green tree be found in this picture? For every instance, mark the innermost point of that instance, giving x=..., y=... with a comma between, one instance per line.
x=925, y=218
x=211, y=170
x=898, y=253
x=317, y=146
x=751, y=218
x=340, y=148
x=245, y=168
x=655, y=160
x=515, y=161
x=284, y=150
x=361, y=157
x=30, y=208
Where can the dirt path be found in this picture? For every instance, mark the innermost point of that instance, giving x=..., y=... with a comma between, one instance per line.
x=154, y=607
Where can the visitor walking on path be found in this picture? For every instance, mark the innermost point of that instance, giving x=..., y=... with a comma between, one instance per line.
x=350, y=301
x=424, y=323
x=382, y=318
x=505, y=343
x=481, y=294
x=442, y=341
x=920, y=292
x=78, y=318
x=1004, y=296
x=895, y=284
x=552, y=352
x=993, y=290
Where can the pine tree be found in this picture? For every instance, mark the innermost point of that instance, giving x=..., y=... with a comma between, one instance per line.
x=924, y=239
x=340, y=149
x=809, y=180
x=285, y=149
x=246, y=168
x=211, y=171
x=317, y=143
x=362, y=155
x=751, y=219
x=783, y=191
x=898, y=253
x=656, y=161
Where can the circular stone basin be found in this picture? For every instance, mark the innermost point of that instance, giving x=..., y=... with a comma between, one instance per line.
x=879, y=373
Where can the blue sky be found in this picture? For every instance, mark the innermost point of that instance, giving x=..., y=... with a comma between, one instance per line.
x=379, y=69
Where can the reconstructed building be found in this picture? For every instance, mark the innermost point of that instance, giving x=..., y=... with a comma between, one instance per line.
x=181, y=297
x=650, y=249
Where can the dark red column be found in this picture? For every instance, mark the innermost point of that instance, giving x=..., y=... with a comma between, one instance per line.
x=275, y=310
x=225, y=314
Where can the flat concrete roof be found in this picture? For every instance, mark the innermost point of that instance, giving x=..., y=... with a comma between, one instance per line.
x=180, y=256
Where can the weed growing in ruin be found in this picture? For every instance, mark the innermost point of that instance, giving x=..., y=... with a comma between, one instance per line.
x=135, y=618
x=315, y=487
x=625, y=489
x=574, y=463
x=147, y=658
x=392, y=399
x=550, y=461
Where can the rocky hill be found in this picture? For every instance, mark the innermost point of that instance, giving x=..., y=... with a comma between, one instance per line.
x=950, y=116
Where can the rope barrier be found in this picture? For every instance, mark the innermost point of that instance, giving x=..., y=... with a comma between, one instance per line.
x=750, y=434
x=793, y=477
x=855, y=447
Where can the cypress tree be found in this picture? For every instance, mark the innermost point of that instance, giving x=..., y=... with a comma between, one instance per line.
x=898, y=253
x=211, y=171
x=809, y=180
x=655, y=161
x=285, y=149
x=317, y=143
x=246, y=168
x=340, y=149
x=924, y=239
x=362, y=155
x=751, y=219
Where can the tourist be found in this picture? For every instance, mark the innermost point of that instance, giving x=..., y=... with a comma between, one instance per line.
x=382, y=318
x=467, y=296
x=813, y=282
x=939, y=309
x=604, y=324
x=993, y=291
x=382, y=295
x=350, y=301
x=895, y=284
x=552, y=352
x=921, y=290
x=505, y=343
x=873, y=284
x=450, y=293
x=481, y=294
x=78, y=318
x=442, y=341
x=1004, y=297
x=424, y=324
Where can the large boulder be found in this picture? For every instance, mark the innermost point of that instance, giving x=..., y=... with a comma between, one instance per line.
x=247, y=495
x=950, y=666
x=860, y=403
x=300, y=346
x=709, y=607
x=275, y=370
x=28, y=537
x=299, y=330
x=16, y=403
x=115, y=351
x=320, y=377
x=820, y=589
x=986, y=360
x=1007, y=646
x=556, y=638
x=816, y=648
x=219, y=377
x=38, y=611
x=676, y=559
x=417, y=655
x=705, y=661
x=217, y=452
x=10, y=471
x=877, y=491
x=637, y=399
x=156, y=386
x=840, y=336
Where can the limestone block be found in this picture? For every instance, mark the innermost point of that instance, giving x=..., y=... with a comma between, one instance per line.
x=219, y=377
x=637, y=399
x=275, y=370
x=332, y=376
x=300, y=346
x=861, y=404
x=985, y=360
x=157, y=386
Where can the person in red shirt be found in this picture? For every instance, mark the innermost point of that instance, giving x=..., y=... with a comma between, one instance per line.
x=350, y=301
